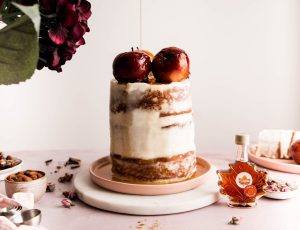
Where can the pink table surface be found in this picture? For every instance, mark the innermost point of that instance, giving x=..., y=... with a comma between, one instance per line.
x=268, y=214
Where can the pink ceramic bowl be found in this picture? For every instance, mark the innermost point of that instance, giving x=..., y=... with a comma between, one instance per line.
x=37, y=186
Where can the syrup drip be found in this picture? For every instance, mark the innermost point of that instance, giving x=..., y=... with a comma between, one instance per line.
x=141, y=24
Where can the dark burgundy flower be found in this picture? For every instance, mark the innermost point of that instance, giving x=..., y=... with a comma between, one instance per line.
x=80, y=42
x=84, y=9
x=85, y=26
x=58, y=34
x=77, y=32
x=56, y=58
x=68, y=16
x=63, y=25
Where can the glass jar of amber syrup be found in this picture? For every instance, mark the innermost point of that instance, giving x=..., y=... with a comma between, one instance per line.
x=242, y=183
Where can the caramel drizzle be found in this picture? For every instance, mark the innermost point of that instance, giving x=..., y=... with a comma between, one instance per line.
x=166, y=114
x=181, y=125
x=178, y=157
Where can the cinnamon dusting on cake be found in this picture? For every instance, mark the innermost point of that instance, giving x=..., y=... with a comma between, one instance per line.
x=117, y=106
x=150, y=99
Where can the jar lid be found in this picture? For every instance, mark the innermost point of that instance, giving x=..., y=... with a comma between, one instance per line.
x=242, y=139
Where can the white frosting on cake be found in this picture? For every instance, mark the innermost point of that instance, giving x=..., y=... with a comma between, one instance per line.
x=147, y=133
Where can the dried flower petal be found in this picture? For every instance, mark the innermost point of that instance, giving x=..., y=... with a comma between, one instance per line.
x=280, y=186
x=67, y=203
x=70, y=195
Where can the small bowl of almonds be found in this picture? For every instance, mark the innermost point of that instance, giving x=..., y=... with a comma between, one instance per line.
x=33, y=181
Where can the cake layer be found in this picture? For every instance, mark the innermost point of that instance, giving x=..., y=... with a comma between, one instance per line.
x=150, y=121
x=158, y=170
x=165, y=98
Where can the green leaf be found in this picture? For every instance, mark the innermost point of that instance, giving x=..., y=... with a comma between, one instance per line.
x=19, y=51
x=33, y=13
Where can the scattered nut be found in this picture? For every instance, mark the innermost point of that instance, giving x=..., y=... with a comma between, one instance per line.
x=73, y=161
x=234, y=221
x=75, y=167
x=25, y=176
x=50, y=187
x=47, y=162
x=8, y=162
x=66, y=178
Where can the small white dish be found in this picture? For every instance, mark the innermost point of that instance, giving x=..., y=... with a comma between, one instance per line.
x=5, y=172
x=282, y=195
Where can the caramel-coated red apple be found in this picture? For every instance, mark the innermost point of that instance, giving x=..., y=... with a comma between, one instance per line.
x=295, y=151
x=171, y=65
x=131, y=66
x=148, y=53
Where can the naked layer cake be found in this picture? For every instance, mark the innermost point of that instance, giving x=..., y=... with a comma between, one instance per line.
x=151, y=123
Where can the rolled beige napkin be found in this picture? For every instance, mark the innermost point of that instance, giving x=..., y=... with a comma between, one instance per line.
x=24, y=198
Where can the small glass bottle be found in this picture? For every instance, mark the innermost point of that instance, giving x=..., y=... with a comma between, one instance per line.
x=242, y=182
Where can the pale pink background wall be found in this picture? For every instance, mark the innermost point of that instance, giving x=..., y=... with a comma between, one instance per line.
x=244, y=64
